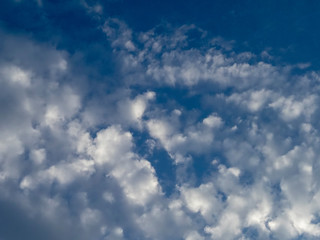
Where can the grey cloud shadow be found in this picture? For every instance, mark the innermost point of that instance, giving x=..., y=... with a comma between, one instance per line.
x=16, y=223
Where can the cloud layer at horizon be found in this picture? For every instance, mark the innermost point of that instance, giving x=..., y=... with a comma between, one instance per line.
x=109, y=131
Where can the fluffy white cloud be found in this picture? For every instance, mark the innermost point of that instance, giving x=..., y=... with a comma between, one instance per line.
x=291, y=109
x=194, y=138
x=203, y=199
x=136, y=176
x=252, y=100
x=92, y=159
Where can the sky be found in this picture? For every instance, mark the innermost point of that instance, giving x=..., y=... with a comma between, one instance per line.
x=157, y=120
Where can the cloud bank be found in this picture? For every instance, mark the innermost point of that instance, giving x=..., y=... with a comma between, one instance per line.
x=184, y=139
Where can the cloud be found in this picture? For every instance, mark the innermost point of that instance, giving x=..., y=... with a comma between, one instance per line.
x=81, y=151
x=136, y=176
x=291, y=109
x=169, y=60
x=203, y=199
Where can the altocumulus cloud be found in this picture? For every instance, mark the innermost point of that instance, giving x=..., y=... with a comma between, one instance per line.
x=184, y=137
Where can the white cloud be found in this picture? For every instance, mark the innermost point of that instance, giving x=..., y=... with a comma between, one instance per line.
x=163, y=222
x=75, y=159
x=203, y=200
x=38, y=156
x=16, y=75
x=252, y=100
x=64, y=173
x=291, y=108
x=213, y=121
x=193, y=139
x=194, y=236
x=132, y=110
x=136, y=176
x=186, y=67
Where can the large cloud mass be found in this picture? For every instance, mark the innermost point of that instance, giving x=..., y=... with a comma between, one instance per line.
x=184, y=138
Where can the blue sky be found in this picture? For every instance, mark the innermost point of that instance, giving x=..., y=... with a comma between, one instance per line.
x=154, y=120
